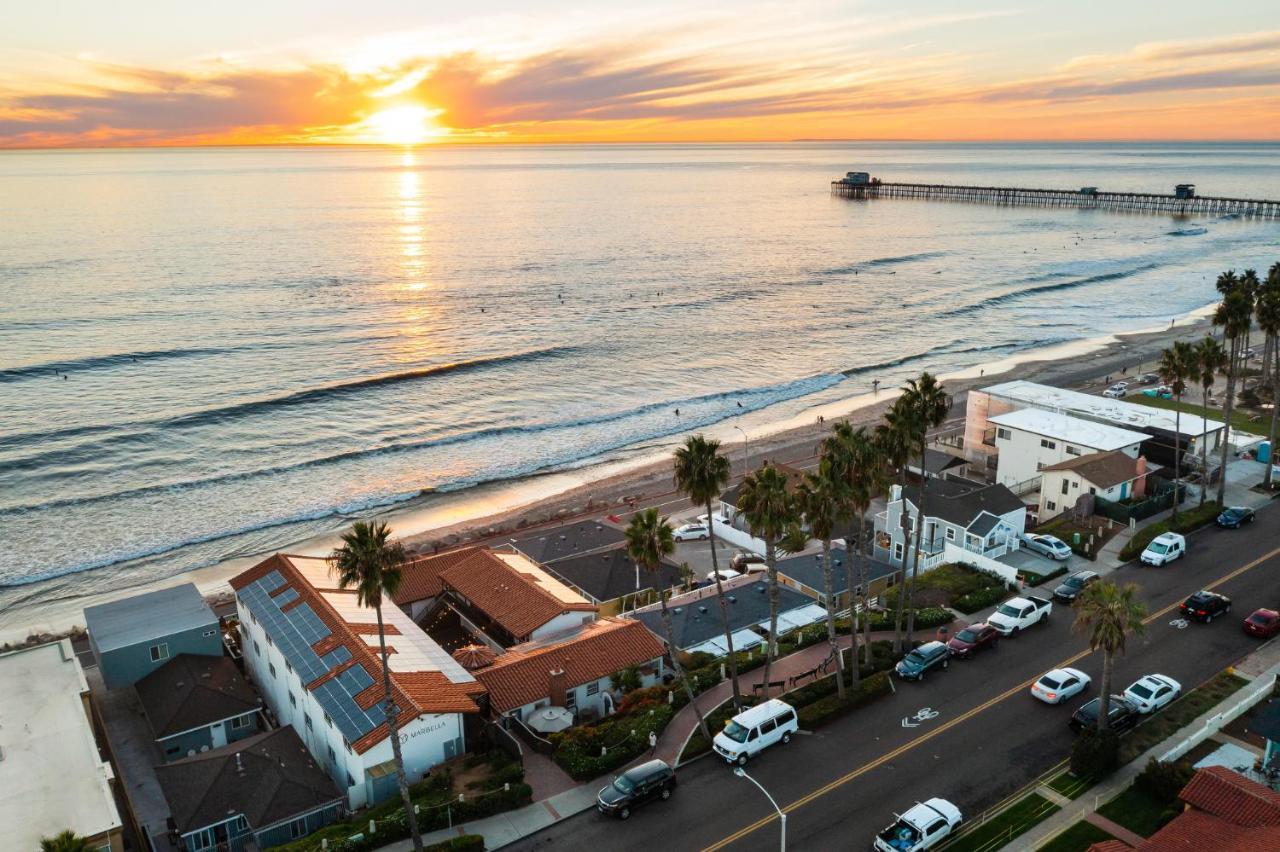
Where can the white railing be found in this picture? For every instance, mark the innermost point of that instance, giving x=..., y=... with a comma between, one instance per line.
x=1260, y=689
x=954, y=553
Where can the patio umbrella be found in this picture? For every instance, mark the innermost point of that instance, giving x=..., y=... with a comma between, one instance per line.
x=472, y=657
x=551, y=719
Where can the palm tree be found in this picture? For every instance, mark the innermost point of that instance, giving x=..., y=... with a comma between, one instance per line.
x=820, y=499
x=893, y=438
x=702, y=473
x=371, y=563
x=769, y=509
x=1234, y=315
x=1210, y=359
x=649, y=540
x=1249, y=285
x=1268, y=311
x=929, y=404
x=1176, y=364
x=66, y=841
x=1107, y=612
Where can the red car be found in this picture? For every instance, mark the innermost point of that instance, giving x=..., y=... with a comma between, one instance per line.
x=969, y=640
x=1264, y=623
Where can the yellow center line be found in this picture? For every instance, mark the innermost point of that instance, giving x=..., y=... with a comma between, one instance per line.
x=943, y=728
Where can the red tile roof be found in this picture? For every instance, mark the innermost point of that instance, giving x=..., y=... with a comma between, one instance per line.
x=416, y=693
x=420, y=578
x=511, y=597
x=1227, y=813
x=1111, y=846
x=1193, y=831
x=607, y=645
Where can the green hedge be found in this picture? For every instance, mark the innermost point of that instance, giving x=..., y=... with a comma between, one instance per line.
x=1031, y=578
x=982, y=599
x=930, y=616
x=1188, y=520
x=589, y=751
x=826, y=709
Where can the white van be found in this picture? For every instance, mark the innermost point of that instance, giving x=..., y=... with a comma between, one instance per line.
x=1163, y=549
x=755, y=729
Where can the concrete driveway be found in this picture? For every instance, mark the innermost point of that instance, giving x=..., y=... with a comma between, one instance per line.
x=1026, y=560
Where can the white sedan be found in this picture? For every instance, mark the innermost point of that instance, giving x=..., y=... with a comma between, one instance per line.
x=1115, y=392
x=692, y=532
x=1057, y=686
x=1047, y=545
x=1151, y=692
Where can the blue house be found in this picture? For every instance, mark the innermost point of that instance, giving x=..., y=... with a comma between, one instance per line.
x=133, y=637
x=263, y=791
x=196, y=703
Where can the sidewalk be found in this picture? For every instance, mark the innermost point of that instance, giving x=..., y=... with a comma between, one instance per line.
x=1263, y=663
x=502, y=829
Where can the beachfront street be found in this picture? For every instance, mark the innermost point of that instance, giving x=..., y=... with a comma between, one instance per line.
x=989, y=737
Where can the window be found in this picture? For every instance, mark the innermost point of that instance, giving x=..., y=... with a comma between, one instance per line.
x=1073, y=451
x=239, y=723
x=1065, y=486
x=288, y=666
x=571, y=699
x=1047, y=444
x=347, y=746
x=593, y=688
x=257, y=649
x=170, y=752
x=292, y=700
x=768, y=726
x=1075, y=485
x=160, y=652
x=202, y=839
x=1002, y=433
x=351, y=782
x=1050, y=505
x=209, y=633
x=1093, y=490
x=897, y=550
x=241, y=824
x=951, y=533
x=297, y=828
x=253, y=617
x=270, y=641
x=307, y=718
x=333, y=758
x=328, y=721
x=271, y=667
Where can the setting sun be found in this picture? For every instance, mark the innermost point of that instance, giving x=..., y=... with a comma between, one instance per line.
x=404, y=125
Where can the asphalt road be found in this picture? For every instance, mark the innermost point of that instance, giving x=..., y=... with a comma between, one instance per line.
x=841, y=784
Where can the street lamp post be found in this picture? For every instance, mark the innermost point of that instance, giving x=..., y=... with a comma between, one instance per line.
x=746, y=448
x=742, y=773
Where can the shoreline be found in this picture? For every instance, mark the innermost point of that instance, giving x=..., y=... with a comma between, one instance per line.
x=440, y=521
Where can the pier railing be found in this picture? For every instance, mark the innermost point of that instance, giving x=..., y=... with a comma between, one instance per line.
x=1135, y=202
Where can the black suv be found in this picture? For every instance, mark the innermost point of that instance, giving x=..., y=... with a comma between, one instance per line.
x=652, y=780
x=928, y=656
x=1123, y=715
x=1205, y=606
x=1074, y=585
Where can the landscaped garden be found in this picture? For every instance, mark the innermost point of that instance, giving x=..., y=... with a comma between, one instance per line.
x=1179, y=714
x=960, y=587
x=1002, y=828
x=1138, y=811
x=1077, y=838
x=1065, y=527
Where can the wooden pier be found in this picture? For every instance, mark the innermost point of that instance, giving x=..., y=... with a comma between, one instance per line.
x=1128, y=202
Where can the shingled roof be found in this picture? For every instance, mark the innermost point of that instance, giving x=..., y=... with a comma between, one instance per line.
x=192, y=691
x=1102, y=469
x=267, y=778
x=605, y=646
x=960, y=503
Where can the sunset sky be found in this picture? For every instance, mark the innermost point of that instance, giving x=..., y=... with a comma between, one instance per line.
x=79, y=73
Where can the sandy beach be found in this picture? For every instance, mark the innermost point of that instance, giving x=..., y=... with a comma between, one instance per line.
x=438, y=521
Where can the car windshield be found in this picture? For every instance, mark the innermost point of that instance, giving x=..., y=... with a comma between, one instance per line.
x=916, y=658
x=1074, y=582
x=1259, y=618
x=1157, y=547
x=1140, y=690
x=1012, y=612
x=967, y=636
x=735, y=732
x=623, y=784
x=1050, y=682
x=1234, y=513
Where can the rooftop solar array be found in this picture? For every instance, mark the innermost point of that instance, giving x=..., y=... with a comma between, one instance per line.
x=337, y=697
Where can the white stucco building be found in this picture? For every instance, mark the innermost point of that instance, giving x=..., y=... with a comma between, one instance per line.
x=312, y=651
x=1030, y=439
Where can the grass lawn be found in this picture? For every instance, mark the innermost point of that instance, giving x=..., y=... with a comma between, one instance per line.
x=1071, y=786
x=1077, y=838
x=1138, y=812
x=944, y=584
x=1064, y=527
x=1239, y=418
x=1189, y=518
x=1178, y=714
x=1000, y=829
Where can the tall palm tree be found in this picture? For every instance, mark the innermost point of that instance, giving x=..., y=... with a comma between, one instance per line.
x=66, y=841
x=769, y=509
x=702, y=473
x=1210, y=359
x=649, y=540
x=1249, y=285
x=371, y=563
x=1176, y=364
x=1107, y=612
x=929, y=404
x=1234, y=315
x=893, y=438
x=1268, y=312
x=821, y=501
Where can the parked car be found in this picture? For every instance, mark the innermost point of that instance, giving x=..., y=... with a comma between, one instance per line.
x=1236, y=517
x=744, y=559
x=972, y=639
x=1074, y=585
x=692, y=532
x=922, y=827
x=1163, y=549
x=1047, y=545
x=1162, y=392
x=1017, y=614
x=639, y=784
x=915, y=665
x=1205, y=606
x=1264, y=623
x=1149, y=693
x=1056, y=686
x=725, y=575
x=1148, y=378
x=1115, y=392
x=1121, y=715
x=755, y=729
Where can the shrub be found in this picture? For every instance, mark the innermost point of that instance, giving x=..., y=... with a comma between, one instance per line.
x=627, y=679
x=1163, y=781
x=825, y=709
x=1095, y=754
x=1191, y=519
x=588, y=751
x=975, y=601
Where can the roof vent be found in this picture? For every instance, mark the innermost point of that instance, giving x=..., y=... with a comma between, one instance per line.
x=733, y=598
x=702, y=609
x=678, y=610
x=760, y=588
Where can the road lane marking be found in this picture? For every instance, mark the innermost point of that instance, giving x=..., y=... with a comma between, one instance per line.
x=924, y=714
x=963, y=717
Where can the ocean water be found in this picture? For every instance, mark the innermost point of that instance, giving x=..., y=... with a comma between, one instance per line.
x=214, y=352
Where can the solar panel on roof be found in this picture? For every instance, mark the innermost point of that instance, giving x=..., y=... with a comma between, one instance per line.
x=271, y=581
x=355, y=679
x=286, y=597
x=336, y=657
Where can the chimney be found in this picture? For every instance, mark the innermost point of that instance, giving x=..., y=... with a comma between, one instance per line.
x=556, y=686
x=895, y=493
x=1140, y=483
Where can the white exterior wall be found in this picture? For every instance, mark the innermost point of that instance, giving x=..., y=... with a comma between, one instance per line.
x=1051, y=492
x=1023, y=454
x=584, y=701
x=945, y=533
x=423, y=740
x=561, y=623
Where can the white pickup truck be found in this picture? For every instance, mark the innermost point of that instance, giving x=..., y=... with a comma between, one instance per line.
x=920, y=828
x=1017, y=614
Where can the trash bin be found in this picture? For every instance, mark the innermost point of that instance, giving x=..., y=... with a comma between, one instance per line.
x=1075, y=539
x=1264, y=452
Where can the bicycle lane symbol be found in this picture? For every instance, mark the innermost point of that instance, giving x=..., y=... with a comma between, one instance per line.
x=924, y=714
